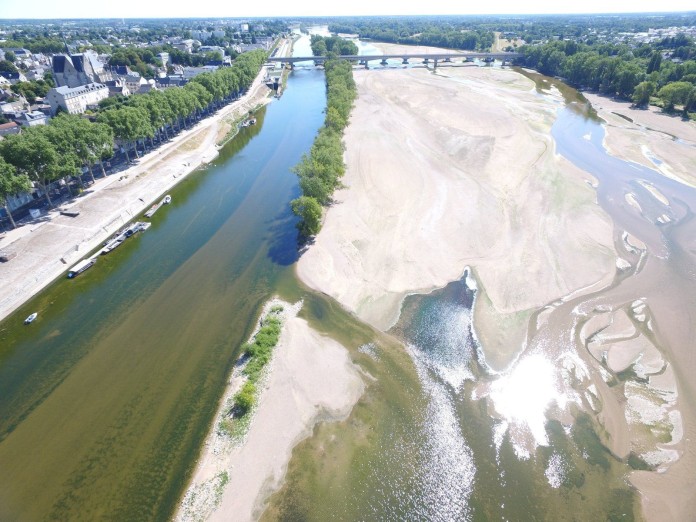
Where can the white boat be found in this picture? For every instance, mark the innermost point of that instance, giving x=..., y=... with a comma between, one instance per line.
x=114, y=243
x=154, y=208
x=117, y=240
x=81, y=267
x=31, y=318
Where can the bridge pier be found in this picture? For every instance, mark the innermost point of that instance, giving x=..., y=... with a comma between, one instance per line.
x=405, y=62
x=434, y=64
x=384, y=62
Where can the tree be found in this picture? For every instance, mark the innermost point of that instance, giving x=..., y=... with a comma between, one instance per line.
x=655, y=62
x=642, y=93
x=7, y=66
x=11, y=184
x=309, y=211
x=675, y=93
x=89, y=141
x=33, y=154
x=10, y=56
x=128, y=124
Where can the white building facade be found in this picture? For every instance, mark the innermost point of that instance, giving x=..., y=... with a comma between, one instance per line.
x=76, y=100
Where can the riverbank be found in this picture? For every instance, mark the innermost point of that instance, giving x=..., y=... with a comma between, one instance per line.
x=649, y=137
x=310, y=378
x=46, y=248
x=470, y=179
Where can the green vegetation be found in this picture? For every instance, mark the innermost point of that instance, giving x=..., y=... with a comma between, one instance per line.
x=148, y=116
x=258, y=352
x=634, y=73
x=46, y=153
x=447, y=32
x=33, y=89
x=322, y=45
x=320, y=171
x=10, y=184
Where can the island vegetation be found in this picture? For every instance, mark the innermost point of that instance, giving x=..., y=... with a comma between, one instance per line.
x=258, y=353
x=321, y=170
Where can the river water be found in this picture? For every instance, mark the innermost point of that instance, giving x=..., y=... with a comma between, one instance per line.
x=106, y=399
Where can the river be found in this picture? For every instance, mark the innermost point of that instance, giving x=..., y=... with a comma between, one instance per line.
x=105, y=402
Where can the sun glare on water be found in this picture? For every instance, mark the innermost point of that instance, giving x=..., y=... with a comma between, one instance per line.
x=522, y=396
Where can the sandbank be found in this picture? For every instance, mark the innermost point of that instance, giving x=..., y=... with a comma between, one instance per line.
x=451, y=170
x=649, y=137
x=309, y=379
x=46, y=248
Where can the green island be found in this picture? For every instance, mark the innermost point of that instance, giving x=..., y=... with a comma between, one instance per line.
x=320, y=171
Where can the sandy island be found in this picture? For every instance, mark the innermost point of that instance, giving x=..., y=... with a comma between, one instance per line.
x=458, y=169
x=46, y=248
x=310, y=378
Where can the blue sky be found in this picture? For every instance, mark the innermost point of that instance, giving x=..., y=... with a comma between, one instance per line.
x=288, y=8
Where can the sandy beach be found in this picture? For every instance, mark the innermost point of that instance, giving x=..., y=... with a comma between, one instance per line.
x=309, y=379
x=458, y=170
x=47, y=247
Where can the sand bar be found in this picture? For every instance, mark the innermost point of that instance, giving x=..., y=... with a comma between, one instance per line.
x=310, y=378
x=457, y=169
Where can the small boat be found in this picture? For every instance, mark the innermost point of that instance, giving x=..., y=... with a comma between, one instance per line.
x=81, y=267
x=114, y=243
x=31, y=318
x=154, y=208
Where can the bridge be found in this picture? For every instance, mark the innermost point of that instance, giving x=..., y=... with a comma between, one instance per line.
x=404, y=57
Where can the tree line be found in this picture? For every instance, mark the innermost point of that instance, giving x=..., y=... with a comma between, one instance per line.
x=322, y=45
x=321, y=169
x=44, y=154
x=447, y=32
x=636, y=73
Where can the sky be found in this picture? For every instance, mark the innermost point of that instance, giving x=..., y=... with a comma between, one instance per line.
x=286, y=8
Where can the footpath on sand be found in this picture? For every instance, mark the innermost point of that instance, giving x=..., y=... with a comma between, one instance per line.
x=49, y=246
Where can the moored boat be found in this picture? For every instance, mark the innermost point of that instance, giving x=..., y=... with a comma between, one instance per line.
x=154, y=208
x=81, y=267
x=31, y=318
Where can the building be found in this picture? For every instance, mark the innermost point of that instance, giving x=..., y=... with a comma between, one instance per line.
x=164, y=58
x=14, y=77
x=76, y=100
x=78, y=69
x=192, y=72
x=32, y=119
x=9, y=128
x=117, y=87
x=171, y=81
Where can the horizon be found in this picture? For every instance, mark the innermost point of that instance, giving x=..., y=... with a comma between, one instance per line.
x=132, y=10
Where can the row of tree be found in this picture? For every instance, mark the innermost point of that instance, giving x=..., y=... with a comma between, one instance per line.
x=45, y=153
x=322, y=45
x=448, y=32
x=631, y=73
x=69, y=143
x=151, y=116
x=320, y=171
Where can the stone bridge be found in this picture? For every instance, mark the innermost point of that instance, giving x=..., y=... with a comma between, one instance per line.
x=404, y=57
